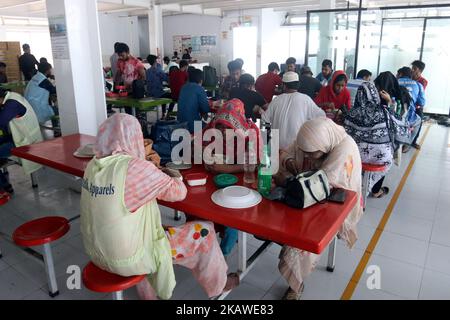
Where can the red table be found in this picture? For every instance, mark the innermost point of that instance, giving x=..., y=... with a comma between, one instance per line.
x=311, y=229
x=58, y=153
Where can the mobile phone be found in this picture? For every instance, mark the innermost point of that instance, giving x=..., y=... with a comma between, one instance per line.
x=337, y=195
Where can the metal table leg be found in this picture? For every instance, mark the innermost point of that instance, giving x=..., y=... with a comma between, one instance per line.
x=34, y=182
x=331, y=255
x=158, y=113
x=118, y=295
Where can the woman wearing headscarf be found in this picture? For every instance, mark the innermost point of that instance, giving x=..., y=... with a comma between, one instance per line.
x=335, y=96
x=121, y=222
x=321, y=144
x=406, y=123
x=374, y=127
x=231, y=116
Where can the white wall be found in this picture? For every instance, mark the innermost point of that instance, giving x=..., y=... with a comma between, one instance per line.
x=118, y=28
x=144, y=40
x=193, y=25
x=273, y=39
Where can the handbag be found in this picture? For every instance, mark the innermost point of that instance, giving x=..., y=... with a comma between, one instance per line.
x=307, y=189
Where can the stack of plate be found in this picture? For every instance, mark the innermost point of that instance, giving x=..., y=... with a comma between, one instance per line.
x=178, y=165
x=236, y=197
x=86, y=151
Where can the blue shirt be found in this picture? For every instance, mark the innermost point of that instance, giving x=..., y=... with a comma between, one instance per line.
x=417, y=96
x=191, y=103
x=155, y=78
x=415, y=89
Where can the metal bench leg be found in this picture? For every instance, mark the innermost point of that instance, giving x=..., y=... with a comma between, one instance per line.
x=176, y=215
x=331, y=255
x=34, y=182
x=50, y=270
x=118, y=295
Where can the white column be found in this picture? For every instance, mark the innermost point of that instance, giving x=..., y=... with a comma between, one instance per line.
x=155, y=26
x=326, y=28
x=78, y=65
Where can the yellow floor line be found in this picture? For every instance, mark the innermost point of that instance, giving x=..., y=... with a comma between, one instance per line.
x=357, y=274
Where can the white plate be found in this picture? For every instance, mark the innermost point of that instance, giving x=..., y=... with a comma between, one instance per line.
x=178, y=166
x=236, y=197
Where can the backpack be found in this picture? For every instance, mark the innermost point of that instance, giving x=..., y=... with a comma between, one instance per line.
x=138, y=88
x=210, y=78
x=162, y=137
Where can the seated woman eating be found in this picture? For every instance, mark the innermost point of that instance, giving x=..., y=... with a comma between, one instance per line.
x=121, y=222
x=335, y=96
x=231, y=116
x=320, y=144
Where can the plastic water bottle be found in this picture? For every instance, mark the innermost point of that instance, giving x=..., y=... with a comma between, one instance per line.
x=265, y=173
x=250, y=164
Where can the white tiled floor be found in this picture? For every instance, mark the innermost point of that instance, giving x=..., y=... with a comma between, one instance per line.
x=413, y=253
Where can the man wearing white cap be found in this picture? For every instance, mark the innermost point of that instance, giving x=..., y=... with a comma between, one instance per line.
x=289, y=111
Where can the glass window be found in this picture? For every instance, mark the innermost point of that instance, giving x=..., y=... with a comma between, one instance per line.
x=332, y=36
x=244, y=47
x=400, y=48
x=436, y=54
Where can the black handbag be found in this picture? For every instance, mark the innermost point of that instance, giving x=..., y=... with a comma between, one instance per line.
x=307, y=189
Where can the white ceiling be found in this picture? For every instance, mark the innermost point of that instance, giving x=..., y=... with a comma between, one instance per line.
x=37, y=9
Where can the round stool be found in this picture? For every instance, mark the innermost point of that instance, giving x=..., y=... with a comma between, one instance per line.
x=43, y=231
x=98, y=280
x=367, y=171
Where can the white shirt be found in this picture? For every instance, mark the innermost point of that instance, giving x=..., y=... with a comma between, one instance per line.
x=170, y=65
x=288, y=112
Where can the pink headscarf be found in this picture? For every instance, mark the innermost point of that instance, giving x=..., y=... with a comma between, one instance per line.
x=120, y=134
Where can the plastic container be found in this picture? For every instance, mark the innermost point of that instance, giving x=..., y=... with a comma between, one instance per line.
x=112, y=94
x=225, y=180
x=196, y=179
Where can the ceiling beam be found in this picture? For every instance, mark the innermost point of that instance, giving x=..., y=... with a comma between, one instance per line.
x=24, y=3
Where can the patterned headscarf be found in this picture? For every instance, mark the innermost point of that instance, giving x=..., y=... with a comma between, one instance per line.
x=120, y=134
x=231, y=115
